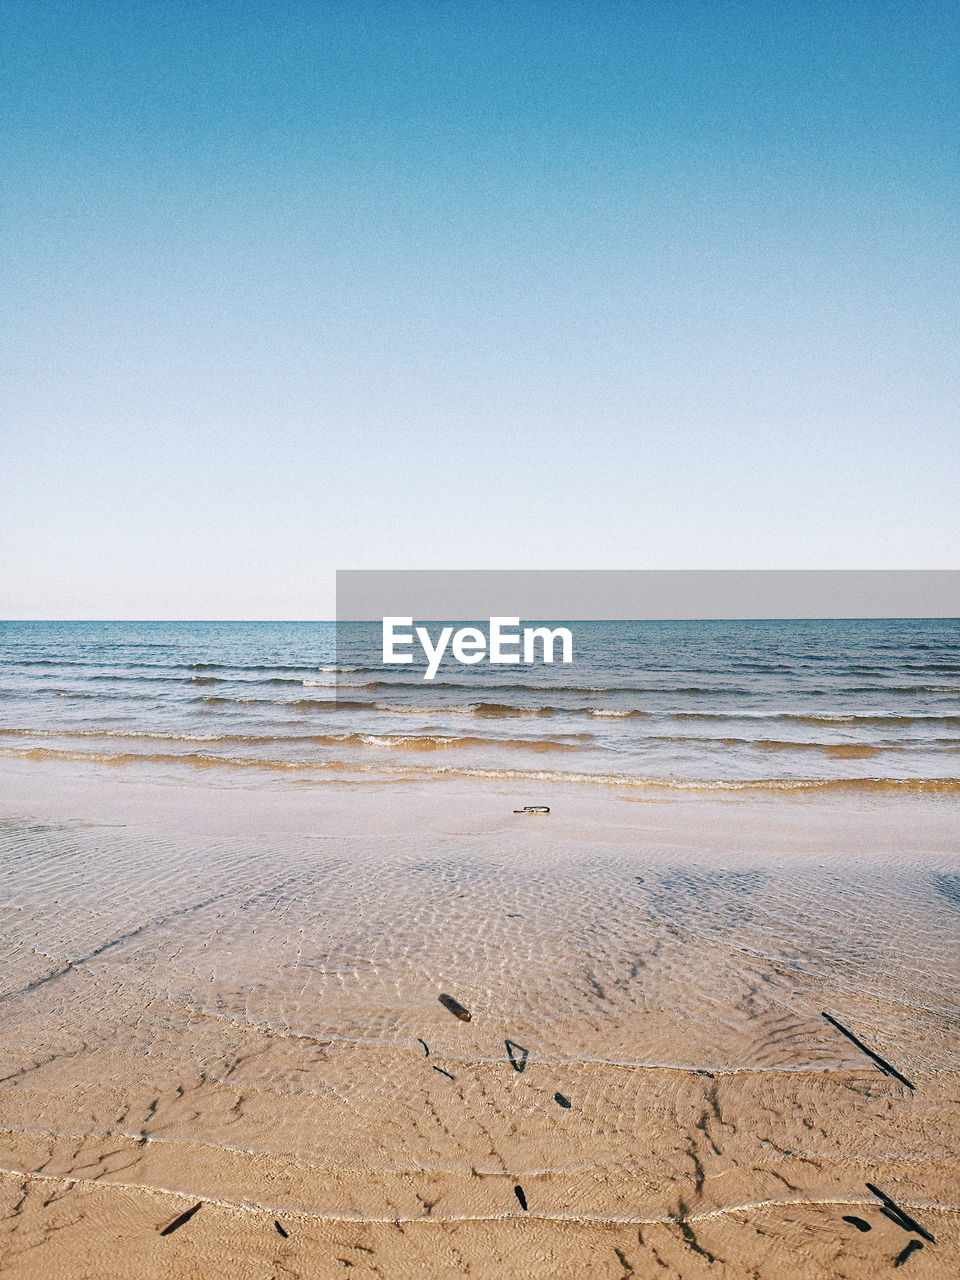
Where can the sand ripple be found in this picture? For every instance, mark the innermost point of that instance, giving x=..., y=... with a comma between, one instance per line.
x=251, y=1024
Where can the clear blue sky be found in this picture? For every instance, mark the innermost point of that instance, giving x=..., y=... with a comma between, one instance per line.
x=304, y=286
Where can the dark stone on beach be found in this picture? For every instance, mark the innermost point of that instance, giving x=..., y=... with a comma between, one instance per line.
x=905, y=1252
x=181, y=1219
x=518, y=1191
x=857, y=1222
x=280, y=1230
x=455, y=1007
x=517, y=1054
x=564, y=1102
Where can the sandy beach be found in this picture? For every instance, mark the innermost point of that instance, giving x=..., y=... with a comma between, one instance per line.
x=479, y=641
x=224, y=1053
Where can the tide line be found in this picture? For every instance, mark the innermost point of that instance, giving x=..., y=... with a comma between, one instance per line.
x=613, y=1219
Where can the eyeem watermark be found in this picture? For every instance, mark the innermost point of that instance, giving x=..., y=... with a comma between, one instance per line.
x=471, y=644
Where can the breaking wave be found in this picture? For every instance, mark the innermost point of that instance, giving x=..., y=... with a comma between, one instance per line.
x=203, y=760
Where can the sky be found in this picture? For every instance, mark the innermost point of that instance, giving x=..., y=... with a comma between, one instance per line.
x=299, y=287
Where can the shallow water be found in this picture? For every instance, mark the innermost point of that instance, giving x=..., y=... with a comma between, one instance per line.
x=230, y=999
x=606, y=953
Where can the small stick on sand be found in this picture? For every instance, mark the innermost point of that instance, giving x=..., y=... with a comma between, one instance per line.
x=517, y=1054
x=857, y=1222
x=893, y=1211
x=533, y=808
x=426, y=1047
x=882, y=1063
x=455, y=1007
x=280, y=1230
x=444, y=1073
x=518, y=1191
x=179, y=1221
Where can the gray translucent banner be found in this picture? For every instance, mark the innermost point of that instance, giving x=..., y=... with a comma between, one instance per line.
x=572, y=595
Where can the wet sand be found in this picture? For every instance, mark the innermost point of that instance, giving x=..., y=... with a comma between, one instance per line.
x=226, y=1000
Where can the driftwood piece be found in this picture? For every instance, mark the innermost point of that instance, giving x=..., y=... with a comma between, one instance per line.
x=882, y=1063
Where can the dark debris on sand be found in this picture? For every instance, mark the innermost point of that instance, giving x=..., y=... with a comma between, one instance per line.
x=882, y=1063
x=517, y=1054
x=892, y=1210
x=455, y=1007
x=181, y=1219
x=905, y=1253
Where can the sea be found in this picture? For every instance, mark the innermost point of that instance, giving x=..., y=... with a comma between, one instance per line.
x=700, y=705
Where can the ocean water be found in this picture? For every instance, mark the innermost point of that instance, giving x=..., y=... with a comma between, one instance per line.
x=700, y=705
